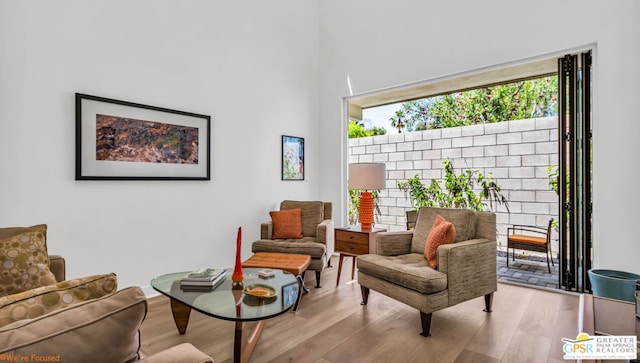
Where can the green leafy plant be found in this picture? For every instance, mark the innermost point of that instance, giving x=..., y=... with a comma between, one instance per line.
x=457, y=191
x=554, y=184
x=553, y=173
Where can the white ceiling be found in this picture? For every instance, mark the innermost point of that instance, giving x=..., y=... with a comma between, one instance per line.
x=453, y=83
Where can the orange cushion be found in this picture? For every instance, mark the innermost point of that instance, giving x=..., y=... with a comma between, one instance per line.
x=527, y=239
x=442, y=232
x=287, y=223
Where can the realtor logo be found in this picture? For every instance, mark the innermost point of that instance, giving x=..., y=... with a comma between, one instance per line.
x=600, y=347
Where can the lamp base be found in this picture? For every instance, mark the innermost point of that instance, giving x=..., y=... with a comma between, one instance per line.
x=366, y=211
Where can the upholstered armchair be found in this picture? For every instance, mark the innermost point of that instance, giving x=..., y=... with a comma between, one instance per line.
x=317, y=234
x=79, y=320
x=465, y=269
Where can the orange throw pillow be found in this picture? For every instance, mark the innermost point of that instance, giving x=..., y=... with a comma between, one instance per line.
x=287, y=223
x=442, y=232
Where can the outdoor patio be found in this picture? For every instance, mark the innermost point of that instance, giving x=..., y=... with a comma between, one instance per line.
x=527, y=271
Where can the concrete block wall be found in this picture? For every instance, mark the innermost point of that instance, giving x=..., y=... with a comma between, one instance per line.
x=517, y=153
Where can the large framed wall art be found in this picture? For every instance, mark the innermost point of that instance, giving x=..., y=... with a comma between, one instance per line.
x=119, y=140
x=292, y=158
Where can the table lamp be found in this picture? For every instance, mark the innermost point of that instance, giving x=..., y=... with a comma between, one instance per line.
x=365, y=177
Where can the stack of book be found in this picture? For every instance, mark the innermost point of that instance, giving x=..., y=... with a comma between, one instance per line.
x=203, y=279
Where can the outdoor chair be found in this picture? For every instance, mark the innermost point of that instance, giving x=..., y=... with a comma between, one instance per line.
x=530, y=238
x=412, y=217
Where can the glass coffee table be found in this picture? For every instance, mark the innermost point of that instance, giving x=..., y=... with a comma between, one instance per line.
x=226, y=303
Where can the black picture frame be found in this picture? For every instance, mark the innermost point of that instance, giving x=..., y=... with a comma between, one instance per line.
x=292, y=158
x=120, y=140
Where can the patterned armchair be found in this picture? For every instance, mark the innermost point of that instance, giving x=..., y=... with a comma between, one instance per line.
x=466, y=268
x=317, y=232
x=77, y=320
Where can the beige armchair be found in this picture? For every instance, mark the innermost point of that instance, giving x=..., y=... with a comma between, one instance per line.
x=77, y=320
x=466, y=268
x=317, y=232
x=106, y=329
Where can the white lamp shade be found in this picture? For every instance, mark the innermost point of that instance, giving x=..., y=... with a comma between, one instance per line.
x=368, y=176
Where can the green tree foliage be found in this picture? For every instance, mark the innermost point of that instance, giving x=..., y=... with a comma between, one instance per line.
x=411, y=117
x=356, y=129
x=375, y=131
x=401, y=120
x=513, y=101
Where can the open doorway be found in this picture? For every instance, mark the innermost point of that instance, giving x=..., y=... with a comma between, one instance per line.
x=522, y=154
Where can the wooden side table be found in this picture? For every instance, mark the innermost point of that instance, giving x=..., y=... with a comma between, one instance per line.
x=353, y=241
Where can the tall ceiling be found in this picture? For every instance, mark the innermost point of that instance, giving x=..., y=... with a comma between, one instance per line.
x=453, y=83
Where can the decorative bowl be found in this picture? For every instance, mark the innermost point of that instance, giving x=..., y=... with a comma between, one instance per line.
x=260, y=291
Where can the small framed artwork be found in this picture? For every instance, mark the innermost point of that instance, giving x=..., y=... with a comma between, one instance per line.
x=119, y=140
x=290, y=294
x=292, y=158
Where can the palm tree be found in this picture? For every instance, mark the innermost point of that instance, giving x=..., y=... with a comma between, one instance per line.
x=399, y=120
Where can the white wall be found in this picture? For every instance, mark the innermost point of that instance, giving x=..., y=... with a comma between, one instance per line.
x=263, y=69
x=251, y=65
x=381, y=44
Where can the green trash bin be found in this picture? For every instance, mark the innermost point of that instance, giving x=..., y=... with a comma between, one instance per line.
x=613, y=284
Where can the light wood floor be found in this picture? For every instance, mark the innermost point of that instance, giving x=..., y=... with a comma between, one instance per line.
x=526, y=325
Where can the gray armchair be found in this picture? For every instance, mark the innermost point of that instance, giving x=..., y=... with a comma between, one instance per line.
x=466, y=268
x=317, y=232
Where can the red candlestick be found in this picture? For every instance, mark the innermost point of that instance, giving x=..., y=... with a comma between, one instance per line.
x=237, y=277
